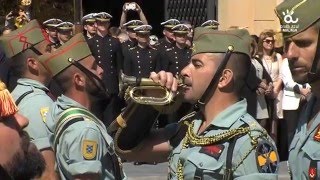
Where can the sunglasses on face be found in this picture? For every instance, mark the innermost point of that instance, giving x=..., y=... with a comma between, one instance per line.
x=268, y=41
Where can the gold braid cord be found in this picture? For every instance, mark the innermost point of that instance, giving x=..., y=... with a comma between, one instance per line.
x=196, y=140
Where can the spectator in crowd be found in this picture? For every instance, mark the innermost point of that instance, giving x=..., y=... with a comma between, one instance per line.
x=132, y=6
x=123, y=37
x=19, y=158
x=272, y=62
x=31, y=92
x=89, y=30
x=114, y=32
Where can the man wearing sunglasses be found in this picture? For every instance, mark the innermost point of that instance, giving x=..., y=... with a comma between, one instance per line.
x=31, y=94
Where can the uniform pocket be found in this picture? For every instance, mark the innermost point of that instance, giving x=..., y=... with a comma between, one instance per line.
x=204, y=162
x=311, y=148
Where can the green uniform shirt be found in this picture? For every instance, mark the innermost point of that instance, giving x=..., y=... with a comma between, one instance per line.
x=209, y=162
x=35, y=107
x=304, y=151
x=82, y=148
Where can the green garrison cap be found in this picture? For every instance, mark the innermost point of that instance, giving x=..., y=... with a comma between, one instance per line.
x=22, y=39
x=74, y=49
x=297, y=15
x=208, y=40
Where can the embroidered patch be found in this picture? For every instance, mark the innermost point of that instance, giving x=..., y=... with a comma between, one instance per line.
x=212, y=150
x=316, y=136
x=44, y=113
x=89, y=149
x=312, y=173
x=266, y=157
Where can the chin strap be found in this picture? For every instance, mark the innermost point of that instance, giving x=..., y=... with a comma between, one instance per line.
x=94, y=78
x=313, y=75
x=213, y=84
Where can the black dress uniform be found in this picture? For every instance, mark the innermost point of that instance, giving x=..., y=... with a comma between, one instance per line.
x=86, y=20
x=175, y=59
x=107, y=52
x=168, y=25
x=141, y=61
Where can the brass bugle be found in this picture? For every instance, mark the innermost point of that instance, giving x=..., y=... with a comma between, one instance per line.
x=133, y=87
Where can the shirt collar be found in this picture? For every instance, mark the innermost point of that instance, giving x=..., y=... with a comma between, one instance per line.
x=231, y=114
x=67, y=102
x=34, y=83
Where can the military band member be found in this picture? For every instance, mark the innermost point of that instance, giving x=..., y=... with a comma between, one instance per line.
x=107, y=52
x=89, y=30
x=168, y=40
x=50, y=27
x=300, y=25
x=221, y=140
x=213, y=24
x=142, y=59
x=64, y=32
x=174, y=59
x=31, y=93
x=83, y=148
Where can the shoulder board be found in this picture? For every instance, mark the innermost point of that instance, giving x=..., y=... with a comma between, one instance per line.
x=169, y=49
x=133, y=48
x=187, y=117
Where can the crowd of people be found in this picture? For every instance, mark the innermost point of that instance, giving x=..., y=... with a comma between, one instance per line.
x=244, y=99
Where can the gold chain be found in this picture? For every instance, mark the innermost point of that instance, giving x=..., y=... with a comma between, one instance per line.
x=196, y=140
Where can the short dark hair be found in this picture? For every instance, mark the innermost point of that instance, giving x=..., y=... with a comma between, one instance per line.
x=18, y=64
x=240, y=65
x=64, y=78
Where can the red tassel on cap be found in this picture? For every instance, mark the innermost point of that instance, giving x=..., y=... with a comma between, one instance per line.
x=7, y=105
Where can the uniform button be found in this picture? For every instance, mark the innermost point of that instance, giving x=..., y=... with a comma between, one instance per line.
x=177, y=67
x=98, y=50
x=97, y=40
x=138, y=66
x=99, y=56
x=201, y=164
x=175, y=52
x=139, y=72
x=111, y=72
x=150, y=56
x=150, y=62
x=138, y=56
x=110, y=44
x=138, y=61
x=97, y=45
x=99, y=62
x=110, y=50
x=149, y=52
x=111, y=55
x=176, y=62
x=176, y=57
x=109, y=39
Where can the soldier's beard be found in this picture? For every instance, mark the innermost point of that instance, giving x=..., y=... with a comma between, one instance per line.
x=27, y=163
x=95, y=91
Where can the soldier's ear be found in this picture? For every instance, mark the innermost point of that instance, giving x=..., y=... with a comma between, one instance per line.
x=226, y=79
x=79, y=79
x=32, y=64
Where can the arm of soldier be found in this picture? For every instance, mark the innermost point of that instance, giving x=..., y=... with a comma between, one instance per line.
x=38, y=131
x=154, y=148
x=260, y=162
x=84, y=144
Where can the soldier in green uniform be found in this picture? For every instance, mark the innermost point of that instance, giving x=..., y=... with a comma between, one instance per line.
x=19, y=159
x=23, y=46
x=221, y=140
x=300, y=26
x=83, y=148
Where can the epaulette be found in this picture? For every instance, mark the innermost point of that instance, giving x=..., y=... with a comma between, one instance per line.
x=133, y=48
x=187, y=117
x=169, y=49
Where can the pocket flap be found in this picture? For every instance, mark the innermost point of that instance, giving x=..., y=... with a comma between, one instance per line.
x=311, y=148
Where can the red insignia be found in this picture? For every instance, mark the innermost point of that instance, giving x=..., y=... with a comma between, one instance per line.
x=312, y=172
x=316, y=136
x=212, y=150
